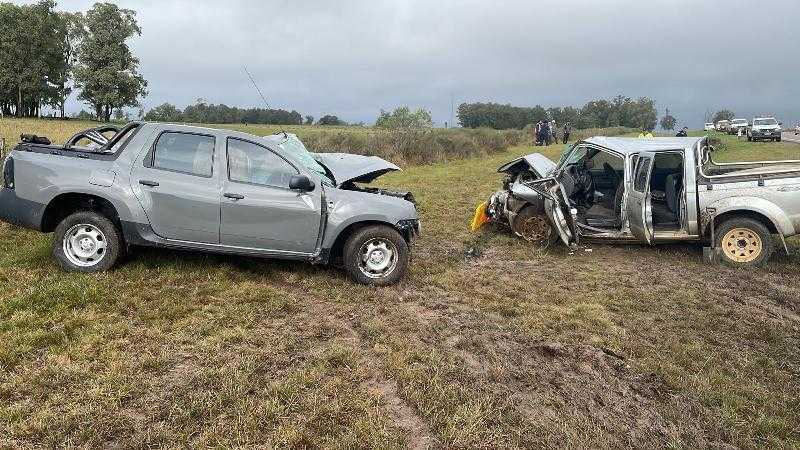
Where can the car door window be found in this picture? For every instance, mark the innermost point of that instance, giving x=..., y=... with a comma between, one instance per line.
x=256, y=164
x=183, y=152
x=641, y=174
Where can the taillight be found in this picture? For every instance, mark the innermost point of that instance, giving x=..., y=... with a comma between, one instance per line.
x=8, y=172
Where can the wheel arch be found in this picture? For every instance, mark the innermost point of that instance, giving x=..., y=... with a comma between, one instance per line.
x=337, y=249
x=746, y=214
x=65, y=204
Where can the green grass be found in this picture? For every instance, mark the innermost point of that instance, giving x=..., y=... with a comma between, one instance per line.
x=487, y=343
x=733, y=148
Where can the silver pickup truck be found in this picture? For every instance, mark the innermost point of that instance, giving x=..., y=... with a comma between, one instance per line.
x=650, y=191
x=178, y=186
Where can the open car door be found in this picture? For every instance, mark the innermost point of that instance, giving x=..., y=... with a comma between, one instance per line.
x=557, y=209
x=639, y=206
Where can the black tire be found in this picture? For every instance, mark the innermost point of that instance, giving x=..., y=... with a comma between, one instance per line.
x=355, y=246
x=778, y=140
x=750, y=231
x=109, y=234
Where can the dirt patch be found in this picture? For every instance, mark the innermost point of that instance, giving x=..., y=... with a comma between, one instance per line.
x=418, y=433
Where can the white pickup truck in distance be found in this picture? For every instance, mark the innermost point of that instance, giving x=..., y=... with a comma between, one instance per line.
x=764, y=129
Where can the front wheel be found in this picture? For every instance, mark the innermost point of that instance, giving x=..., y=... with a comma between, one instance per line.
x=376, y=255
x=86, y=242
x=743, y=242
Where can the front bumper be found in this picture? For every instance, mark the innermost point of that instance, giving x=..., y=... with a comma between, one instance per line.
x=770, y=134
x=411, y=228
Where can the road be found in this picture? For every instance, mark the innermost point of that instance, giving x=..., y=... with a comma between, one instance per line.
x=789, y=136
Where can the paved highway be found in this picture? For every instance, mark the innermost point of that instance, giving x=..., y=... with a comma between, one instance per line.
x=789, y=136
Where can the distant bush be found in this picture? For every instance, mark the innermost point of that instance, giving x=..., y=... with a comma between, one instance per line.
x=404, y=118
x=427, y=146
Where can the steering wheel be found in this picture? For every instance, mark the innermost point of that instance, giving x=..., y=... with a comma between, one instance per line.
x=94, y=135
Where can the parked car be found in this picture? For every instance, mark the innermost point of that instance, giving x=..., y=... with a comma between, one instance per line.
x=736, y=125
x=650, y=191
x=722, y=126
x=797, y=129
x=764, y=129
x=709, y=127
x=185, y=187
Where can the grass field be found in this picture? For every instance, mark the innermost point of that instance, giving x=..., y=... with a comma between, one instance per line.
x=487, y=343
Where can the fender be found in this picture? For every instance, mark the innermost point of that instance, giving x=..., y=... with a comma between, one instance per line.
x=759, y=205
x=346, y=208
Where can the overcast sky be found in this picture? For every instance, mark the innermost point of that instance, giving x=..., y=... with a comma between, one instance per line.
x=352, y=58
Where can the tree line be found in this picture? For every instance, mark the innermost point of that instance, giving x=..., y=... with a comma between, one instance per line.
x=619, y=111
x=46, y=54
x=203, y=112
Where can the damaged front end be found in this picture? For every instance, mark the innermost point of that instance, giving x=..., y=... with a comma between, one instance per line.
x=530, y=203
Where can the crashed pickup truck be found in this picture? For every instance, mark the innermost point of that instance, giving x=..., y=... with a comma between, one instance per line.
x=650, y=191
x=150, y=184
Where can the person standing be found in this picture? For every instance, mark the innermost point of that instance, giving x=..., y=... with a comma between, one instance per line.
x=565, y=133
x=546, y=133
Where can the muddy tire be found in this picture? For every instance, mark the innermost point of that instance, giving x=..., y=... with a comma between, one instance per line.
x=376, y=255
x=743, y=242
x=534, y=227
x=86, y=241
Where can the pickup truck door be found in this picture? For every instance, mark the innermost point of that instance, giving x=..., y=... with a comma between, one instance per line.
x=259, y=210
x=177, y=186
x=639, y=205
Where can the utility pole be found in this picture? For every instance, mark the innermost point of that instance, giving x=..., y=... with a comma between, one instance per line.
x=452, y=107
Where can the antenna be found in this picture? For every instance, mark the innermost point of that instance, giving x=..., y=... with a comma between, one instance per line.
x=263, y=98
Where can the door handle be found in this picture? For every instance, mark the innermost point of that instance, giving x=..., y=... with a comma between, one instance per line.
x=233, y=196
x=148, y=183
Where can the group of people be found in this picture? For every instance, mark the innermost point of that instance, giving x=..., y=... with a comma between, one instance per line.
x=546, y=132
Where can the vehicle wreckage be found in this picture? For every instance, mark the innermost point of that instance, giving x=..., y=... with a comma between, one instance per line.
x=650, y=191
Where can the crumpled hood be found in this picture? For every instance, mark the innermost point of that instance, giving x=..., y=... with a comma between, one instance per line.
x=539, y=163
x=354, y=168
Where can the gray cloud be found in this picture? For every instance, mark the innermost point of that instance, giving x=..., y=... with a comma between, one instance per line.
x=353, y=58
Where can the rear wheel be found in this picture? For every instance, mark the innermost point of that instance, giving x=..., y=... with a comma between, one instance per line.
x=376, y=255
x=744, y=242
x=86, y=242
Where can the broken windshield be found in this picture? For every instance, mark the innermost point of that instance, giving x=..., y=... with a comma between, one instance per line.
x=295, y=148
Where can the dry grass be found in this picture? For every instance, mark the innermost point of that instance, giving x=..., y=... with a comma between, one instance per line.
x=509, y=347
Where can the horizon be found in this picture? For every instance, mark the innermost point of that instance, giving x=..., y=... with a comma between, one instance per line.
x=354, y=60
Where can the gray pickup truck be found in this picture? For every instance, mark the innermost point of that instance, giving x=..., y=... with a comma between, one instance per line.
x=184, y=187
x=650, y=191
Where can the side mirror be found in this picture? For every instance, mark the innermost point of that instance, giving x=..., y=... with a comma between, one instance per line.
x=301, y=183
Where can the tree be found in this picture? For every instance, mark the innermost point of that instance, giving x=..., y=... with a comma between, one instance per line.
x=330, y=120
x=309, y=120
x=724, y=114
x=107, y=69
x=404, y=118
x=71, y=34
x=164, y=113
x=668, y=121
x=30, y=56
